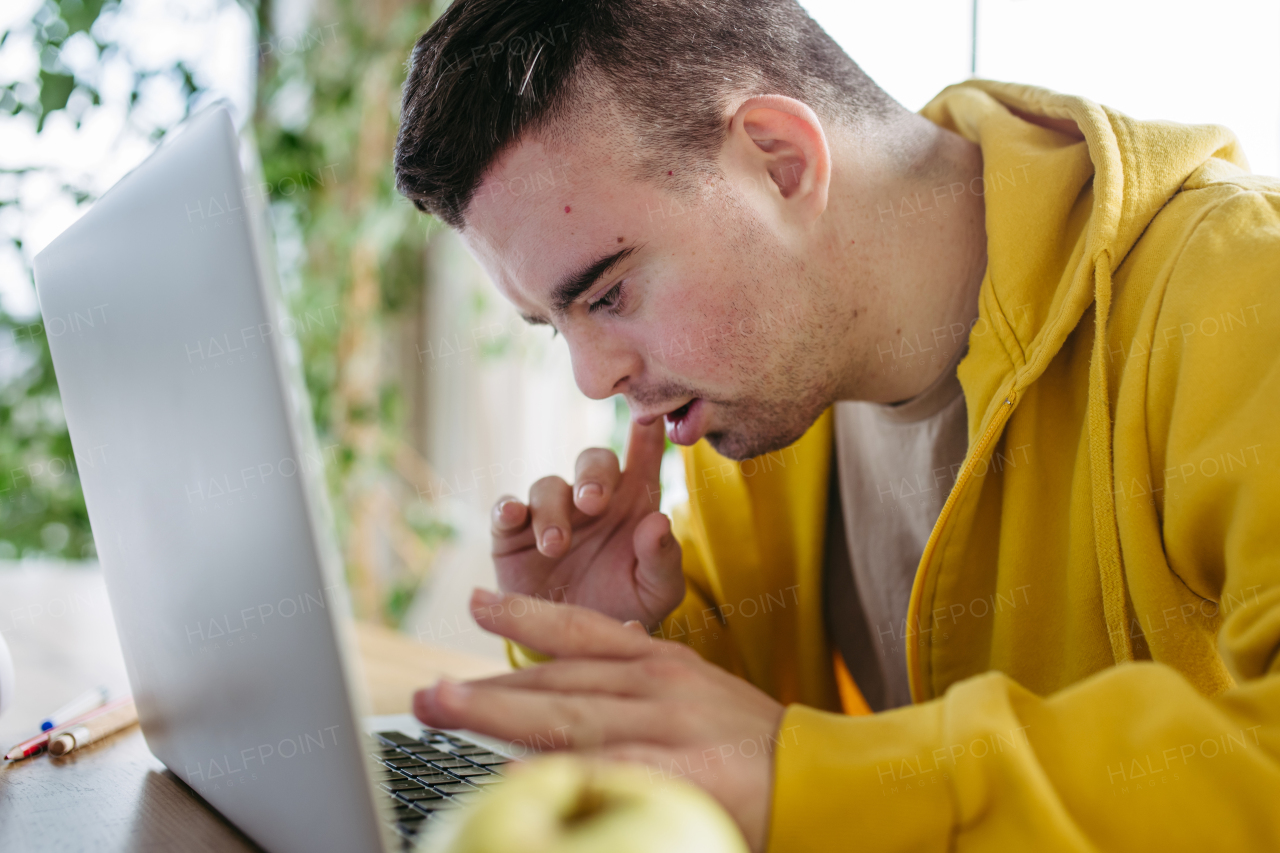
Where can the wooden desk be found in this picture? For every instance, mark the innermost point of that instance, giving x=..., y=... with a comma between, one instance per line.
x=115, y=795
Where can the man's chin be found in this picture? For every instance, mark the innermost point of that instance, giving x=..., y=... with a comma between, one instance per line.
x=739, y=448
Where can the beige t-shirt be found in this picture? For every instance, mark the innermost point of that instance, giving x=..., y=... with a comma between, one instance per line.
x=896, y=465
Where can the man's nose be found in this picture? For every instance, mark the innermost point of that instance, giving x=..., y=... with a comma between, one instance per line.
x=604, y=365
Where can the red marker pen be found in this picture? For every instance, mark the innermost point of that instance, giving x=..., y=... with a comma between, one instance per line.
x=37, y=744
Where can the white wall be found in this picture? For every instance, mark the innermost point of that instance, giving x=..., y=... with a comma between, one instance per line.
x=1174, y=59
x=913, y=49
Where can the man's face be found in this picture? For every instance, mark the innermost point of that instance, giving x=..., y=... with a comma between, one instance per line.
x=697, y=310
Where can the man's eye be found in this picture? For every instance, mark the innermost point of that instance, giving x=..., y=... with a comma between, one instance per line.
x=610, y=302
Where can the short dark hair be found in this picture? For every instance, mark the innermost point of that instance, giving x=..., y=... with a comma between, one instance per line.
x=488, y=72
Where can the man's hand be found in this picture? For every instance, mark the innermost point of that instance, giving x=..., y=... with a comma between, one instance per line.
x=614, y=692
x=601, y=543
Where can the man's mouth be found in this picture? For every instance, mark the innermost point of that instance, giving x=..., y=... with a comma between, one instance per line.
x=677, y=415
x=688, y=423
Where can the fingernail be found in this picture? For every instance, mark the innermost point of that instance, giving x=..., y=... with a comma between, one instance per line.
x=504, y=508
x=485, y=597
x=590, y=490
x=551, y=537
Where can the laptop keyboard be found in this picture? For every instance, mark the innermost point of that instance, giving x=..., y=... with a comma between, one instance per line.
x=427, y=775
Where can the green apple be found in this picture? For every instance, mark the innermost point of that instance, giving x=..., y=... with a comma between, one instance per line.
x=566, y=804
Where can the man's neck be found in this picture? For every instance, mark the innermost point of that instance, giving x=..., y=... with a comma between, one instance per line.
x=916, y=280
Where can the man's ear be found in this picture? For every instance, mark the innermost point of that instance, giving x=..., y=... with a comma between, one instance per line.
x=778, y=143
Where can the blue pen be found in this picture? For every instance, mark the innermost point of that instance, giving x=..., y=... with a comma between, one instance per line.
x=86, y=701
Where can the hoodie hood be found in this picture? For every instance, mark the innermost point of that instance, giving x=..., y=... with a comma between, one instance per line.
x=1067, y=183
x=1092, y=181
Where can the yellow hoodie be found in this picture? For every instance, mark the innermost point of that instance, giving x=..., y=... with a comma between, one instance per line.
x=1095, y=622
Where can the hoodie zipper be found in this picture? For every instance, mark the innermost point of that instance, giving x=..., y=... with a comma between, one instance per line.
x=966, y=473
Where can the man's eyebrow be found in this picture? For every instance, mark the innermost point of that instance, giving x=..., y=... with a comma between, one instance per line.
x=573, y=285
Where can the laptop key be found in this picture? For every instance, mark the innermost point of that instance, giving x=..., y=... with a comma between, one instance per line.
x=454, y=788
x=488, y=760
x=401, y=784
x=426, y=752
x=431, y=776
x=419, y=794
x=430, y=807
x=404, y=762
x=469, y=771
x=448, y=763
x=484, y=780
x=395, y=739
x=399, y=810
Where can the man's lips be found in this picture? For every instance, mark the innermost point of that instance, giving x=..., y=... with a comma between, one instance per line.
x=685, y=423
x=688, y=423
x=645, y=420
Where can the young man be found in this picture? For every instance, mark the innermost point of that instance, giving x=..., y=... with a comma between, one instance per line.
x=1019, y=349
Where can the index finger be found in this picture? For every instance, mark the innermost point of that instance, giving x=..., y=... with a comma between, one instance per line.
x=558, y=630
x=644, y=450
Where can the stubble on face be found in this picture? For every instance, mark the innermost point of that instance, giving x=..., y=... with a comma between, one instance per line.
x=778, y=339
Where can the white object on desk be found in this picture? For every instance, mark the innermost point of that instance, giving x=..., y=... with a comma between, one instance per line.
x=6, y=677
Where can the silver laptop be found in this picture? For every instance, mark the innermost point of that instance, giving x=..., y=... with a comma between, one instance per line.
x=181, y=384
